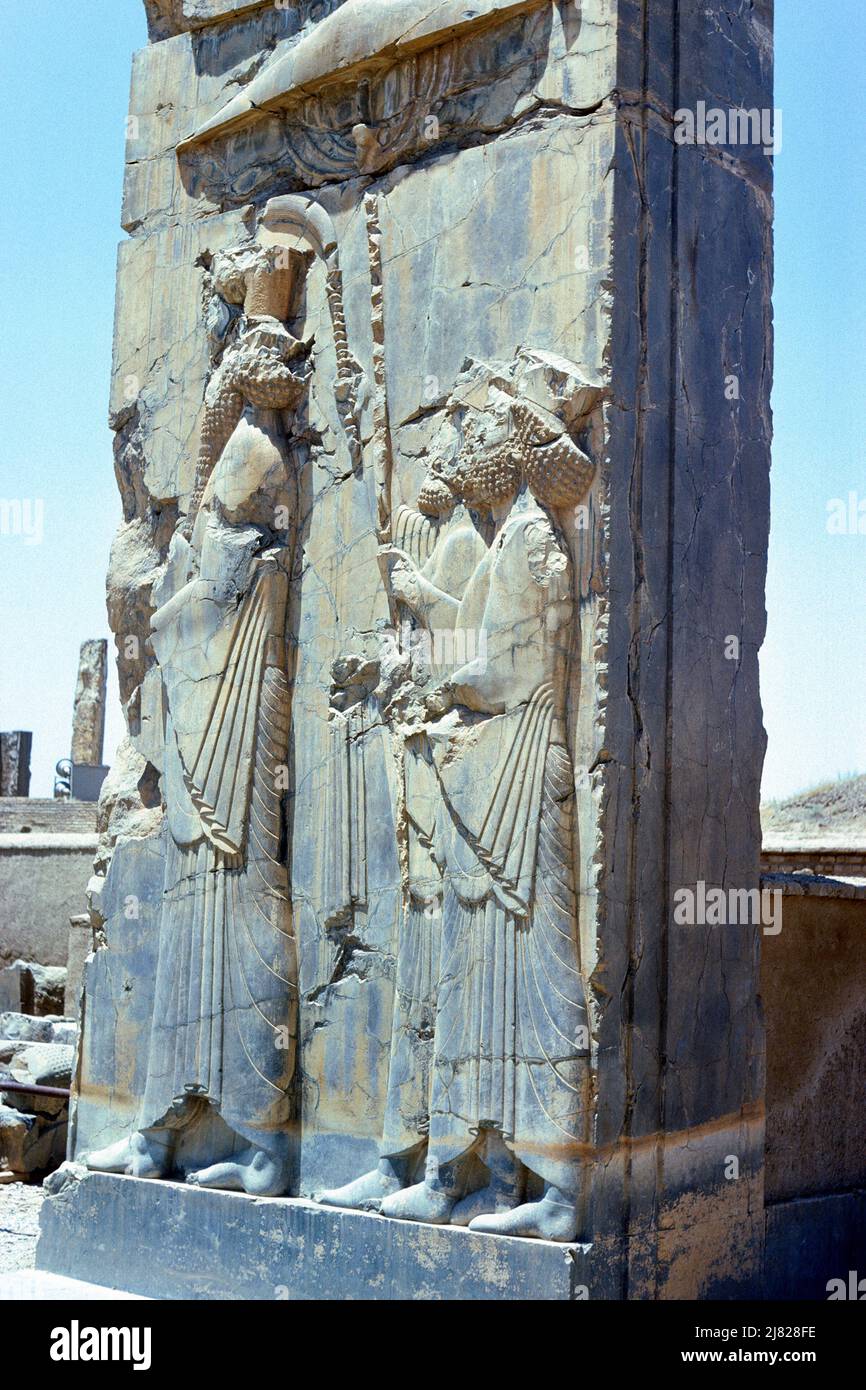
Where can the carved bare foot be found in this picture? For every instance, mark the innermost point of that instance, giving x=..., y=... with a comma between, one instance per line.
x=364, y=1194
x=142, y=1155
x=553, y=1218
x=253, y=1171
x=151, y=1154
x=487, y=1201
x=115, y=1158
x=420, y=1203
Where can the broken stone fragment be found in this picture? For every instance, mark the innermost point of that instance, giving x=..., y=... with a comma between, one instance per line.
x=30, y=1143
x=37, y=1064
x=29, y=988
x=67, y=1175
x=48, y=988
x=64, y=1030
x=44, y=1064
x=33, y=1126
x=17, y=1135
x=19, y=1027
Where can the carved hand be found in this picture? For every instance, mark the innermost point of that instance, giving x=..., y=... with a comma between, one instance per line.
x=404, y=577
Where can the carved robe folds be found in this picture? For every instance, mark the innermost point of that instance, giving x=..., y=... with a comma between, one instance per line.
x=224, y=1026
x=225, y=983
x=511, y=1039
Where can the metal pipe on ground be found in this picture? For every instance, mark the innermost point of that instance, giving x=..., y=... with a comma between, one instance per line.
x=27, y=1088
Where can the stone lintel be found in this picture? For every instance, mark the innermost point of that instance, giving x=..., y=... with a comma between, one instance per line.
x=165, y=18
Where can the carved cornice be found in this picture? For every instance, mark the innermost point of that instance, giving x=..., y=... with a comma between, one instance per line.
x=169, y=17
x=362, y=37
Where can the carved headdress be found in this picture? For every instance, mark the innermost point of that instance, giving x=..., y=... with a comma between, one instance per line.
x=259, y=278
x=519, y=424
x=559, y=474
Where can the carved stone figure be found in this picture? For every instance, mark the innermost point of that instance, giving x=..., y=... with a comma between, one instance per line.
x=225, y=1017
x=441, y=540
x=490, y=797
x=444, y=544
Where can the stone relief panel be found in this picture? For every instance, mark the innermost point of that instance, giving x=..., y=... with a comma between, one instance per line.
x=224, y=1029
x=358, y=635
x=373, y=686
x=488, y=1083
x=430, y=502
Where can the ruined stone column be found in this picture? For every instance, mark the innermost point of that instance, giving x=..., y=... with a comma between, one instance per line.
x=438, y=601
x=88, y=718
x=15, y=763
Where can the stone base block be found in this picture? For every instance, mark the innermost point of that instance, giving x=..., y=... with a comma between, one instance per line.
x=815, y=1245
x=165, y=1240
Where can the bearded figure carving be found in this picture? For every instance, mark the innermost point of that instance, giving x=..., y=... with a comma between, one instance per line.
x=503, y=1124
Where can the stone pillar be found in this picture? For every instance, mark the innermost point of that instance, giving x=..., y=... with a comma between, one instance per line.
x=88, y=718
x=681, y=1050
x=501, y=275
x=15, y=763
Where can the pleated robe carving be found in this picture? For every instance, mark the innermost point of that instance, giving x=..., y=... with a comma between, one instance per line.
x=225, y=1017
x=407, y=1109
x=511, y=1047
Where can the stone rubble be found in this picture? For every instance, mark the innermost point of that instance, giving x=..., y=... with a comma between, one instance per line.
x=29, y=988
x=37, y=1052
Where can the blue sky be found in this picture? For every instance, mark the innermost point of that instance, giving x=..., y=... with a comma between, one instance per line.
x=65, y=79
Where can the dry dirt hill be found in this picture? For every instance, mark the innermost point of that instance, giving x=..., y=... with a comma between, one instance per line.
x=837, y=807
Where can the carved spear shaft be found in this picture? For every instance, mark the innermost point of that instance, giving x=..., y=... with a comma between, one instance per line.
x=382, y=453
x=383, y=472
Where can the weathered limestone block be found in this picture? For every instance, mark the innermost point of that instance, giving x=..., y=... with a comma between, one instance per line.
x=167, y=17
x=31, y=1144
x=442, y=521
x=42, y=880
x=32, y=1126
x=38, y=1064
x=45, y=1064
x=210, y=1247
